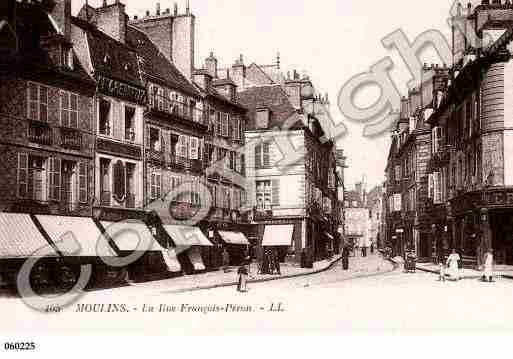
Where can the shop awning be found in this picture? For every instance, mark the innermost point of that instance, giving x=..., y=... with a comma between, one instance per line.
x=75, y=236
x=234, y=238
x=194, y=255
x=187, y=236
x=328, y=235
x=20, y=238
x=131, y=236
x=278, y=235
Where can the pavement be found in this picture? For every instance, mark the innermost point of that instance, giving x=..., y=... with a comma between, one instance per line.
x=211, y=280
x=500, y=271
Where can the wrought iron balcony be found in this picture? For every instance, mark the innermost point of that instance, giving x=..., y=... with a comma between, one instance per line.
x=179, y=109
x=156, y=157
x=71, y=138
x=186, y=163
x=40, y=132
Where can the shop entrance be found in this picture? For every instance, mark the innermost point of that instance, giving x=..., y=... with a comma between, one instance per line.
x=502, y=236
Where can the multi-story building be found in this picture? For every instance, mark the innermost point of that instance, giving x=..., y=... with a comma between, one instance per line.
x=357, y=219
x=407, y=185
x=99, y=39
x=375, y=206
x=47, y=116
x=470, y=173
x=290, y=161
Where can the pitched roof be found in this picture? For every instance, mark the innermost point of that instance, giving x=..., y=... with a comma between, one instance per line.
x=274, y=98
x=110, y=57
x=154, y=64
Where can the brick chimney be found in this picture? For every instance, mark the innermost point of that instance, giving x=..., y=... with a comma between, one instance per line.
x=174, y=35
x=238, y=73
x=112, y=20
x=61, y=13
x=211, y=65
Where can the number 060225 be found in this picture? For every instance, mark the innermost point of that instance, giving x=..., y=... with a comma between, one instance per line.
x=19, y=346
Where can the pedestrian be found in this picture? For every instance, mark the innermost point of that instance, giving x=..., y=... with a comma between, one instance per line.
x=277, y=262
x=372, y=248
x=441, y=277
x=226, y=260
x=488, y=266
x=243, y=279
x=345, y=258
x=452, y=264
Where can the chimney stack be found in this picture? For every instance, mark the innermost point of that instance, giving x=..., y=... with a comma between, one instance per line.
x=61, y=13
x=112, y=20
x=211, y=65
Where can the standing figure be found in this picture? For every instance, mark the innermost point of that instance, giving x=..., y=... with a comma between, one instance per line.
x=488, y=266
x=345, y=258
x=243, y=279
x=372, y=248
x=226, y=260
x=452, y=263
x=277, y=262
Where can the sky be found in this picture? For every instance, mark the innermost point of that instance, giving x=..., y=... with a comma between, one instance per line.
x=330, y=40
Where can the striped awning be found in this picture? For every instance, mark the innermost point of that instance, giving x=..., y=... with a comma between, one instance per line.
x=75, y=236
x=131, y=235
x=20, y=238
x=234, y=238
x=187, y=236
x=278, y=235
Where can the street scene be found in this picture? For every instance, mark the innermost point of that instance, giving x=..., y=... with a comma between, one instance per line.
x=173, y=166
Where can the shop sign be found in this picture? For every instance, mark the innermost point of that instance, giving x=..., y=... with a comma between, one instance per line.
x=121, y=90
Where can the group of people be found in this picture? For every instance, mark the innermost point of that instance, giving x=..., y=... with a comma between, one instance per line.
x=270, y=263
x=451, y=267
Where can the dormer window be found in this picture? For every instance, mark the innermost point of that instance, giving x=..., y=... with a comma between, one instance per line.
x=262, y=118
x=67, y=58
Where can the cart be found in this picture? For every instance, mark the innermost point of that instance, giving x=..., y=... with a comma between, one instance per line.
x=410, y=263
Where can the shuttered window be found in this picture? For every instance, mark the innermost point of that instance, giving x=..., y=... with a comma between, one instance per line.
x=22, y=177
x=69, y=110
x=156, y=185
x=262, y=155
x=54, y=179
x=37, y=102
x=275, y=184
x=82, y=182
x=193, y=148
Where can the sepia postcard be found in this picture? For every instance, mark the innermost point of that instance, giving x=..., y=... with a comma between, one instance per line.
x=253, y=167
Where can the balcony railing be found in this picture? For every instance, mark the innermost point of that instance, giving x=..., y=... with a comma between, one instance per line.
x=178, y=109
x=186, y=163
x=71, y=138
x=155, y=156
x=40, y=132
x=105, y=198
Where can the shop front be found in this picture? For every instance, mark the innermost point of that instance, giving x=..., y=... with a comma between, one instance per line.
x=20, y=239
x=237, y=246
x=80, y=242
x=149, y=259
x=191, y=247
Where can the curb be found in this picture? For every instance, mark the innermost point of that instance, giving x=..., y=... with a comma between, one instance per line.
x=262, y=280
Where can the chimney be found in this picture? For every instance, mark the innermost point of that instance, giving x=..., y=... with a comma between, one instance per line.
x=202, y=78
x=211, y=65
x=238, y=72
x=61, y=13
x=174, y=35
x=112, y=20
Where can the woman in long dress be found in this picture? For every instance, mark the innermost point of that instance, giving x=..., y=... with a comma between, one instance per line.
x=243, y=279
x=452, y=263
x=488, y=266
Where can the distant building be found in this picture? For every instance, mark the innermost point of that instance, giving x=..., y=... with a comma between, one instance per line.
x=357, y=218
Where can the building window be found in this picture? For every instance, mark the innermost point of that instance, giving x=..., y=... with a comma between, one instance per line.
x=69, y=110
x=262, y=118
x=105, y=117
x=82, y=182
x=31, y=178
x=218, y=123
x=155, y=138
x=263, y=195
x=194, y=148
x=236, y=128
x=130, y=123
x=226, y=125
x=437, y=139
x=182, y=146
x=54, y=178
x=38, y=102
x=156, y=185
x=262, y=155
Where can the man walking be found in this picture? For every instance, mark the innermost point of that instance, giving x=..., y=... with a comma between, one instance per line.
x=488, y=266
